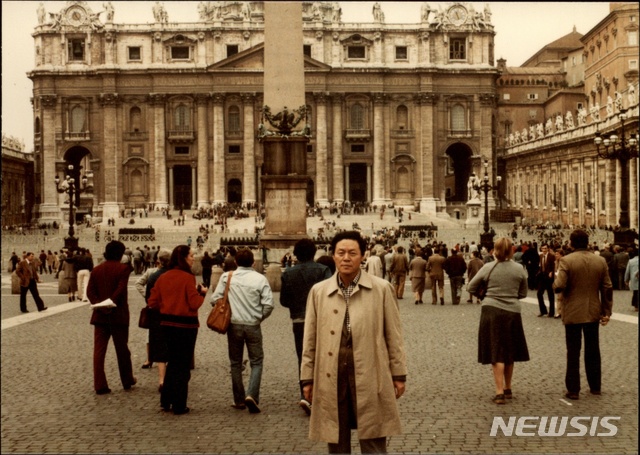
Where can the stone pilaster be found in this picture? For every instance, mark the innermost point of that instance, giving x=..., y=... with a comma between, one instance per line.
x=202, y=199
x=428, y=201
x=112, y=153
x=159, y=184
x=218, y=149
x=248, y=154
x=633, y=195
x=49, y=209
x=322, y=183
x=338, y=158
x=378, y=149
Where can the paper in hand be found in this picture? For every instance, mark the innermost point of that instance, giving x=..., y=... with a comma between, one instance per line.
x=104, y=304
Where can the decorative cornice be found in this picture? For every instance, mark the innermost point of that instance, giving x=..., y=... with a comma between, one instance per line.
x=218, y=97
x=108, y=99
x=48, y=101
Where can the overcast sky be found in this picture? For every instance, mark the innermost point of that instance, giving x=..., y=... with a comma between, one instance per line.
x=522, y=29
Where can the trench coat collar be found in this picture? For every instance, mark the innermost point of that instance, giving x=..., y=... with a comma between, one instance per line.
x=365, y=281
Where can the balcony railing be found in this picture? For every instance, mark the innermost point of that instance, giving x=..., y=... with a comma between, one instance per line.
x=181, y=135
x=136, y=135
x=75, y=136
x=357, y=135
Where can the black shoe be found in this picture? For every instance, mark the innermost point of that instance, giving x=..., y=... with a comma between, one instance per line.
x=43, y=309
x=252, y=405
x=181, y=411
x=24, y=311
x=239, y=406
x=134, y=382
x=146, y=365
x=541, y=315
x=103, y=391
x=596, y=392
x=572, y=396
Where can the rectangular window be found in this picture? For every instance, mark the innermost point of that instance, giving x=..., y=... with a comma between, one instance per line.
x=76, y=50
x=506, y=96
x=576, y=195
x=234, y=149
x=309, y=148
x=532, y=96
x=401, y=53
x=358, y=52
x=232, y=49
x=182, y=150
x=306, y=50
x=633, y=64
x=134, y=53
x=457, y=49
x=632, y=37
x=357, y=148
x=180, y=52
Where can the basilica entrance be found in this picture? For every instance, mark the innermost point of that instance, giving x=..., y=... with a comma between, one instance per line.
x=234, y=191
x=182, y=187
x=357, y=182
x=458, y=171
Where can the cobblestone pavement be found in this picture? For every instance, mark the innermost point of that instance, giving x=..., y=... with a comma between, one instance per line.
x=49, y=406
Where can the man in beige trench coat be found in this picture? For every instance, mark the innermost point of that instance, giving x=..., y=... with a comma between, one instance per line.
x=353, y=362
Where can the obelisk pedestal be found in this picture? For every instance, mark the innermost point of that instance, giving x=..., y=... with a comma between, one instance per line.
x=283, y=132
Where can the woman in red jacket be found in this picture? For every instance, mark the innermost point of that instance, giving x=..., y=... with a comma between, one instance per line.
x=178, y=299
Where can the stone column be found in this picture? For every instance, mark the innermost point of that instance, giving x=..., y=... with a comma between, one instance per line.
x=218, y=149
x=169, y=170
x=194, y=193
x=321, y=150
x=201, y=177
x=112, y=169
x=49, y=209
x=428, y=201
x=338, y=194
x=378, y=149
x=159, y=153
x=633, y=195
x=346, y=183
x=248, y=153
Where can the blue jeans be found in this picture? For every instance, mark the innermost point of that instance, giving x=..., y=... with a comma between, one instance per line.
x=237, y=336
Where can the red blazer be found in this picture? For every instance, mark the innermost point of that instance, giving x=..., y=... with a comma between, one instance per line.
x=110, y=280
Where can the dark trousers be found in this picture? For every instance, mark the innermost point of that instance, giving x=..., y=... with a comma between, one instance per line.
x=546, y=285
x=298, y=337
x=573, y=337
x=101, y=335
x=33, y=288
x=181, y=344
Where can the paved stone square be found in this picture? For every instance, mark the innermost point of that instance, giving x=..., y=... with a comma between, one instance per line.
x=49, y=406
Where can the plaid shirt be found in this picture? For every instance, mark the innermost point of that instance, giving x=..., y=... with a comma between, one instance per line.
x=346, y=293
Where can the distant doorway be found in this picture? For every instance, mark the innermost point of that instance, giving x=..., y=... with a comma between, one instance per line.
x=234, y=191
x=358, y=182
x=460, y=155
x=182, y=186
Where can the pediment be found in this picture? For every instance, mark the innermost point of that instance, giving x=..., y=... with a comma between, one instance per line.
x=253, y=59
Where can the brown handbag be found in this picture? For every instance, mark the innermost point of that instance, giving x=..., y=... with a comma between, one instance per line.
x=144, y=322
x=220, y=316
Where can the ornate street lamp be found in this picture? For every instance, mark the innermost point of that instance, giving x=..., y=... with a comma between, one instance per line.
x=486, y=239
x=68, y=185
x=616, y=146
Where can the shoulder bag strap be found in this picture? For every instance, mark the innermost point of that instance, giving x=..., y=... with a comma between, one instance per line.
x=226, y=289
x=495, y=265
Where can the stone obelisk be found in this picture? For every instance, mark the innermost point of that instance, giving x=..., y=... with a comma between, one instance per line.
x=284, y=129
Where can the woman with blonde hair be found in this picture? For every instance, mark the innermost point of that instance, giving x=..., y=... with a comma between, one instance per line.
x=501, y=340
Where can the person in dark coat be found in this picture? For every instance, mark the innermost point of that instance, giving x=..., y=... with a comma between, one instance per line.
x=207, y=266
x=531, y=262
x=297, y=281
x=109, y=280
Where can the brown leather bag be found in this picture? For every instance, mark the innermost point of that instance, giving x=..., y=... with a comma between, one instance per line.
x=220, y=316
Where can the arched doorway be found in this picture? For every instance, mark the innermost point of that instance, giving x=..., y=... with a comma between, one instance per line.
x=458, y=172
x=310, y=193
x=234, y=191
x=80, y=158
